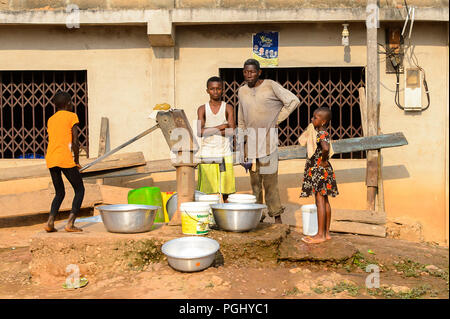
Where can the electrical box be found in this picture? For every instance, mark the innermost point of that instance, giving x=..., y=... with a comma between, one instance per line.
x=413, y=90
x=394, y=43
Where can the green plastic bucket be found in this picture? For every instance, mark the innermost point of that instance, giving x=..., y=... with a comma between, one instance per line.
x=148, y=196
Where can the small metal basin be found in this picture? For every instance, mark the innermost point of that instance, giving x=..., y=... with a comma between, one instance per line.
x=128, y=218
x=237, y=217
x=190, y=253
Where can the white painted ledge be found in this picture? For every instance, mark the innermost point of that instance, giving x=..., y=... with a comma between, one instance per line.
x=214, y=16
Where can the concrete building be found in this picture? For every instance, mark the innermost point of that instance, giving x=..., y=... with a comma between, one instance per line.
x=130, y=55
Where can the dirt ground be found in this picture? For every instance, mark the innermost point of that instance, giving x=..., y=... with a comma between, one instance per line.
x=408, y=270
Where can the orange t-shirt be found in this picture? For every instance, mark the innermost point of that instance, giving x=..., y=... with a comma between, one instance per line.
x=59, y=150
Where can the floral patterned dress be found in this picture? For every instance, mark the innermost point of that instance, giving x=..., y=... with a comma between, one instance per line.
x=317, y=178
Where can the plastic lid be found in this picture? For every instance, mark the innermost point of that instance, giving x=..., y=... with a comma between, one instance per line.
x=195, y=205
x=208, y=198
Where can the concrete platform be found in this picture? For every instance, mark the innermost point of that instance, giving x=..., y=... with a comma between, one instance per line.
x=97, y=250
x=339, y=249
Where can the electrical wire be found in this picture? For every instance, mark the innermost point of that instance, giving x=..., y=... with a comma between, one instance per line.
x=391, y=55
x=412, y=57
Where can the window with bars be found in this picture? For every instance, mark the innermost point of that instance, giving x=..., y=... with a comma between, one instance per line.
x=334, y=87
x=26, y=105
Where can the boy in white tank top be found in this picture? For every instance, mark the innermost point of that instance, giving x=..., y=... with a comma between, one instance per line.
x=216, y=128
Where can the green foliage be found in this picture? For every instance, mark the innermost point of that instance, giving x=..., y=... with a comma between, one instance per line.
x=360, y=261
x=409, y=268
x=318, y=290
x=292, y=291
x=352, y=290
x=414, y=293
x=141, y=253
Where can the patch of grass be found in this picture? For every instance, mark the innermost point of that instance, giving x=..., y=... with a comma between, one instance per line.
x=414, y=293
x=360, y=261
x=141, y=253
x=318, y=290
x=210, y=285
x=344, y=286
x=409, y=268
x=292, y=291
x=414, y=269
x=443, y=274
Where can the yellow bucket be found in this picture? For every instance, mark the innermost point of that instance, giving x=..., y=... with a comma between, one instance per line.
x=194, y=218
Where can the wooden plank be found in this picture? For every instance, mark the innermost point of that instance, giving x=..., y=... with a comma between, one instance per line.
x=380, y=188
x=349, y=145
x=285, y=153
x=369, y=143
x=372, y=169
x=113, y=162
x=372, y=85
x=118, y=161
x=358, y=228
x=150, y=167
x=38, y=202
x=114, y=195
x=104, y=130
x=359, y=216
x=363, y=109
x=118, y=148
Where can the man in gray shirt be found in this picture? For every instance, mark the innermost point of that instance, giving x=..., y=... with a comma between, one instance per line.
x=262, y=105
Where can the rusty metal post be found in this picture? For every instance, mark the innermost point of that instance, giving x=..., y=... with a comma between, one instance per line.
x=179, y=136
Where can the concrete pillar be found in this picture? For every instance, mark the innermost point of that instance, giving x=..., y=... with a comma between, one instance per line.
x=161, y=35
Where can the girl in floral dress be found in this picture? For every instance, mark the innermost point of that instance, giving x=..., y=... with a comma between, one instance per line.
x=319, y=179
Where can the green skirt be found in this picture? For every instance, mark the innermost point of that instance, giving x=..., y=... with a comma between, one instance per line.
x=208, y=178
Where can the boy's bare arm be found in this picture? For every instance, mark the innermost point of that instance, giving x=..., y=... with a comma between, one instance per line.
x=230, y=122
x=75, y=144
x=200, y=120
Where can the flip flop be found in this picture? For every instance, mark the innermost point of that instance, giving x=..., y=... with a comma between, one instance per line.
x=305, y=240
x=75, y=230
x=50, y=230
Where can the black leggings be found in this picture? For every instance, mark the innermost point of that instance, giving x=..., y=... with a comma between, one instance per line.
x=74, y=177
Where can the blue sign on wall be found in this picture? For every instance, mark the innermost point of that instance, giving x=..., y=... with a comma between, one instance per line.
x=265, y=48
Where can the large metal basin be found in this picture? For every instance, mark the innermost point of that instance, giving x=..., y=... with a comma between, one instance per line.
x=128, y=218
x=237, y=217
x=190, y=253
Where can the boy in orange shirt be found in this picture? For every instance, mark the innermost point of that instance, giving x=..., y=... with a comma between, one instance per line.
x=62, y=131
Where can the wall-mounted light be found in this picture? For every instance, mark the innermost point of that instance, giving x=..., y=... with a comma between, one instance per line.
x=345, y=35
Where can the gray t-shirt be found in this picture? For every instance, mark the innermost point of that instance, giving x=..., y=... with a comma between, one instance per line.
x=261, y=108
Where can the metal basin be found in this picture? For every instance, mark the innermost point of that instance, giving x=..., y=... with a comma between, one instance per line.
x=171, y=205
x=237, y=217
x=190, y=253
x=128, y=218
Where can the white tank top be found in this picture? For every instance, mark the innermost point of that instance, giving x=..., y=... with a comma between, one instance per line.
x=215, y=145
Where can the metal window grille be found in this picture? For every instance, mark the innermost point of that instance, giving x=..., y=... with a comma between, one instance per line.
x=26, y=105
x=334, y=87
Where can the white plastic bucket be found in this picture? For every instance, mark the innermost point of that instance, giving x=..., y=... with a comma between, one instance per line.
x=195, y=218
x=210, y=199
x=309, y=220
x=242, y=198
